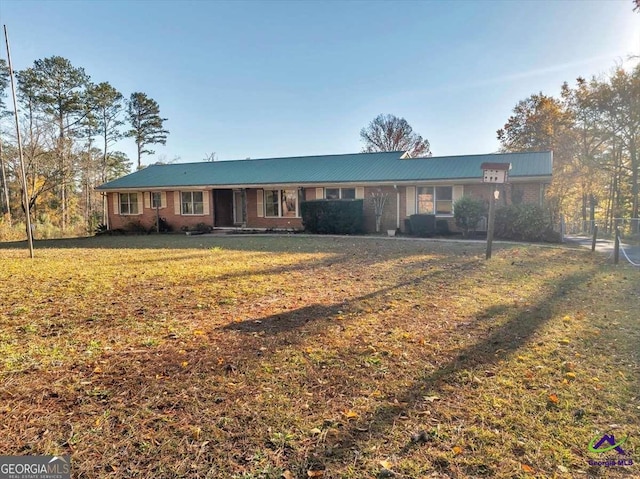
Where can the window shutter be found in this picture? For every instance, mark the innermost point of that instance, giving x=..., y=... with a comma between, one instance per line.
x=360, y=192
x=140, y=195
x=147, y=199
x=176, y=202
x=411, y=200
x=260, y=203
x=319, y=193
x=205, y=202
x=456, y=193
x=116, y=203
x=163, y=199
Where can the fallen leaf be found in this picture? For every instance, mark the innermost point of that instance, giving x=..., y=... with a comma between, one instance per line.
x=562, y=468
x=350, y=414
x=315, y=473
x=553, y=398
x=315, y=431
x=431, y=398
x=564, y=341
x=457, y=450
x=570, y=376
x=184, y=364
x=527, y=468
x=386, y=464
x=287, y=475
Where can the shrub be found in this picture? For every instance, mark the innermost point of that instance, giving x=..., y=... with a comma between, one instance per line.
x=135, y=227
x=442, y=227
x=332, y=216
x=423, y=225
x=467, y=213
x=523, y=222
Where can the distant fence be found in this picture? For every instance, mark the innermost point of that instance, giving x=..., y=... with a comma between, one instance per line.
x=628, y=227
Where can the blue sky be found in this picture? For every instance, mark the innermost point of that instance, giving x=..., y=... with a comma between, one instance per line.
x=266, y=79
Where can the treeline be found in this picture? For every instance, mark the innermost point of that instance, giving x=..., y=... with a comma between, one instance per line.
x=69, y=126
x=593, y=128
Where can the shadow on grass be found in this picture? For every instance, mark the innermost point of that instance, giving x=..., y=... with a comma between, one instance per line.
x=280, y=243
x=291, y=320
x=520, y=328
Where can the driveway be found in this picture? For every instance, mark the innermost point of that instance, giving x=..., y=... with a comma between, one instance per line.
x=607, y=246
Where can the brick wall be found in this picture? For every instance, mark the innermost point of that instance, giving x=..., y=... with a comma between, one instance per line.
x=148, y=216
x=524, y=192
x=253, y=221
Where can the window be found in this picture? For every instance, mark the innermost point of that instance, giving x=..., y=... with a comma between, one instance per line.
x=332, y=193
x=444, y=200
x=283, y=203
x=289, y=202
x=425, y=200
x=129, y=203
x=271, y=202
x=340, y=193
x=435, y=200
x=156, y=200
x=192, y=203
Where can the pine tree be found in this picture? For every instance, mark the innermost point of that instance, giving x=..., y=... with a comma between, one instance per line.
x=146, y=124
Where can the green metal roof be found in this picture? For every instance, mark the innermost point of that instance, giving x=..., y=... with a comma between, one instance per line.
x=349, y=168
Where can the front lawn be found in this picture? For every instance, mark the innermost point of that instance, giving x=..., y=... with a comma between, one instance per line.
x=296, y=357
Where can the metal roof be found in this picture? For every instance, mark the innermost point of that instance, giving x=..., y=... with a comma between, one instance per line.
x=349, y=168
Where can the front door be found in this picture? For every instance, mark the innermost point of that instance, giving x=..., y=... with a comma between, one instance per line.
x=223, y=208
x=238, y=207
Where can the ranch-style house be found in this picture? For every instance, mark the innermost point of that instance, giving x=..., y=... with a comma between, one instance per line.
x=266, y=193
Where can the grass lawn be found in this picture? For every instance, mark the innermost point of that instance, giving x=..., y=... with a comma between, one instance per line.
x=296, y=357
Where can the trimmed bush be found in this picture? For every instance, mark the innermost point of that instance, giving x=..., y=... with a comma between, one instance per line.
x=333, y=216
x=468, y=212
x=423, y=225
x=523, y=222
x=442, y=227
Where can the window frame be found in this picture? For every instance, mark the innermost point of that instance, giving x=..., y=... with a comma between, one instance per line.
x=280, y=200
x=435, y=201
x=152, y=201
x=129, y=203
x=192, y=203
x=340, y=193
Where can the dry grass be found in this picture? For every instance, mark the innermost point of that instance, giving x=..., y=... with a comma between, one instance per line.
x=254, y=357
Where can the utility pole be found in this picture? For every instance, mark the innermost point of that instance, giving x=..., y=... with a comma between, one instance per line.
x=23, y=176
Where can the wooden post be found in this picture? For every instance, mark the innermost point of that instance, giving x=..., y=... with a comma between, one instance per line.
x=492, y=207
x=595, y=235
x=23, y=176
x=616, y=247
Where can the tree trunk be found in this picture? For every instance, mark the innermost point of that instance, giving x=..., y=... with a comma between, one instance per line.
x=5, y=188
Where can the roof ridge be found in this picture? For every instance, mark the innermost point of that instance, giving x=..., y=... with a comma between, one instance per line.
x=277, y=158
x=481, y=154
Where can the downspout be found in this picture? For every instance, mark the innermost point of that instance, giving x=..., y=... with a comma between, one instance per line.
x=397, y=206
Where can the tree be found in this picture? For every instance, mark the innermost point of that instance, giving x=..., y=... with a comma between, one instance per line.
x=390, y=133
x=538, y=123
x=105, y=103
x=118, y=165
x=468, y=212
x=4, y=199
x=146, y=124
x=57, y=89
